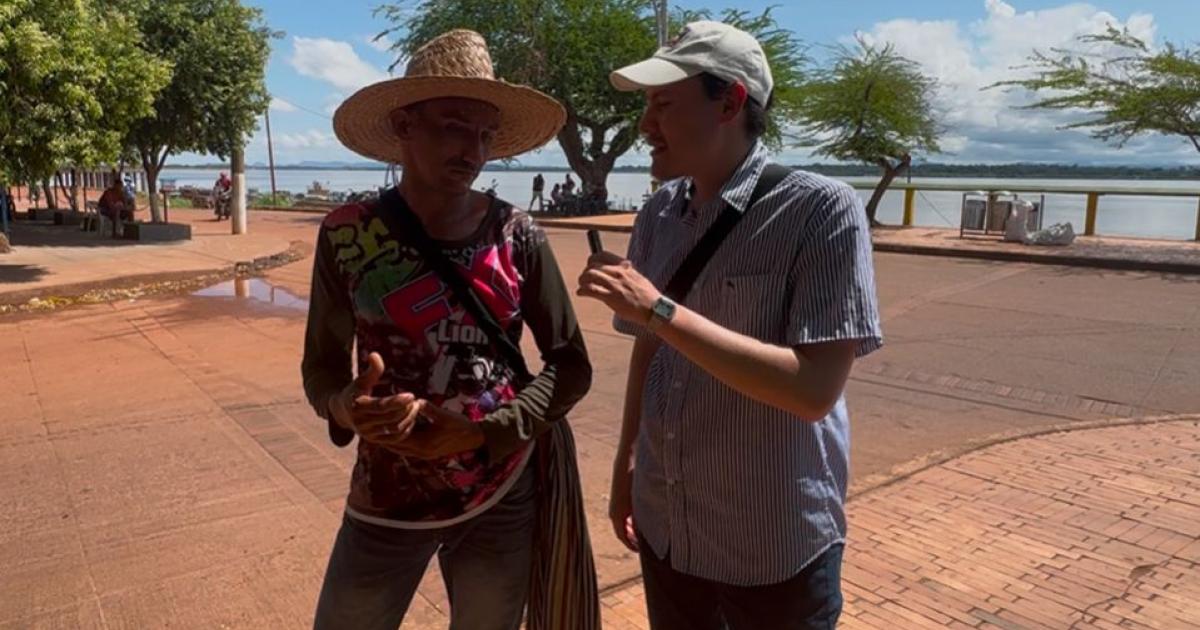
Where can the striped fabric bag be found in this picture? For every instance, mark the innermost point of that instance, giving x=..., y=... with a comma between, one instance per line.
x=563, y=593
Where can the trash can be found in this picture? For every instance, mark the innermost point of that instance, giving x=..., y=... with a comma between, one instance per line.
x=997, y=215
x=1018, y=223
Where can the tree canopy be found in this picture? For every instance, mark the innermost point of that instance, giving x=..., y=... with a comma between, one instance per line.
x=1120, y=86
x=72, y=80
x=219, y=51
x=872, y=105
x=567, y=48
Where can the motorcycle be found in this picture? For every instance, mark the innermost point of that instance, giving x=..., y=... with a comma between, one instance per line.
x=223, y=203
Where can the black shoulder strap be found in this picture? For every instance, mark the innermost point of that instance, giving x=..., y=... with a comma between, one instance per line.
x=685, y=276
x=393, y=210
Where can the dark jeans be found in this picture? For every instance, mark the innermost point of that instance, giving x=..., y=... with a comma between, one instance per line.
x=374, y=570
x=812, y=600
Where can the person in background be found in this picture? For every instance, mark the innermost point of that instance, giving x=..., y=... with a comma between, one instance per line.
x=732, y=466
x=568, y=188
x=223, y=184
x=556, y=196
x=539, y=185
x=113, y=205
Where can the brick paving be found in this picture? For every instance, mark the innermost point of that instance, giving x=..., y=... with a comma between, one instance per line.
x=158, y=464
x=1096, y=528
x=1086, y=529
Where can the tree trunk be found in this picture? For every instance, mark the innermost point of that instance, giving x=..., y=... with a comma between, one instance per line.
x=889, y=174
x=48, y=191
x=152, y=162
x=593, y=162
x=594, y=175
x=890, y=171
x=60, y=185
x=156, y=210
x=75, y=190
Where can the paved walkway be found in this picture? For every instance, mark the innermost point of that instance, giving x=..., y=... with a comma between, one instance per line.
x=1083, y=529
x=49, y=260
x=1104, y=252
x=158, y=465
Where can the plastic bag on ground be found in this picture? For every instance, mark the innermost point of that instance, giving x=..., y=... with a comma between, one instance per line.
x=1057, y=234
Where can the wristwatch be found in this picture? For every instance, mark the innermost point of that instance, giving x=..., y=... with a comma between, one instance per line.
x=661, y=312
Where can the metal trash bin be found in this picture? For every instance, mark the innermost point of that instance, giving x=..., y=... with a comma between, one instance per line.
x=974, y=211
x=997, y=215
x=1017, y=226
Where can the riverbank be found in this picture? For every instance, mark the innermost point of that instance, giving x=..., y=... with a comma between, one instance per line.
x=1130, y=254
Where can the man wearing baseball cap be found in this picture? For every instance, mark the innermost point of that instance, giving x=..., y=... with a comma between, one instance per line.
x=750, y=291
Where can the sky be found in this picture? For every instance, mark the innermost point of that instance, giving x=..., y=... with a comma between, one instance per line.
x=328, y=51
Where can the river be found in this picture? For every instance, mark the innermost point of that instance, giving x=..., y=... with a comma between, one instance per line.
x=1139, y=216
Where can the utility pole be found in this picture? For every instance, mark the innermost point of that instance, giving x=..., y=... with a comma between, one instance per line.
x=271, y=158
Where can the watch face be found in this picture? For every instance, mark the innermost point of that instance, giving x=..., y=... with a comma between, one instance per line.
x=664, y=309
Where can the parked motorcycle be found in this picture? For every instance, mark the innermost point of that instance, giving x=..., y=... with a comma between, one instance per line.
x=223, y=203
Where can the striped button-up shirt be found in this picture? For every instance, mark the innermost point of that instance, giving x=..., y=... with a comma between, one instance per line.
x=734, y=490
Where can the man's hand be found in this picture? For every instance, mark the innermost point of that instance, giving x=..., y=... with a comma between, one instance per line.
x=385, y=421
x=446, y=433
x=620, y=503
x=613, y=280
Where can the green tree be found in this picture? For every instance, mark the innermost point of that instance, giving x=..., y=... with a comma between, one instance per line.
x=1126, y=88
x=871, y=105
x=72, y=81
x=567, y=48
x=219, y=51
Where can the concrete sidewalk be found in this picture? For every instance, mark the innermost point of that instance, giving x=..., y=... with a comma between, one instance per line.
x=1129, y=254
x=61, y=261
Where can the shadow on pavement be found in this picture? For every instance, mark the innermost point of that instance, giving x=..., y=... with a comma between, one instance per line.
x=20, y=273
x=27, y=234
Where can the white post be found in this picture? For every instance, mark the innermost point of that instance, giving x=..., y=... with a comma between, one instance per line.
x=238, y=168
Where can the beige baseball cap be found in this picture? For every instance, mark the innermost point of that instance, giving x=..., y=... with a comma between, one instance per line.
x=705, y=46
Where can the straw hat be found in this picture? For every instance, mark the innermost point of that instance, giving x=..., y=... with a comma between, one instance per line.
x=453, y=65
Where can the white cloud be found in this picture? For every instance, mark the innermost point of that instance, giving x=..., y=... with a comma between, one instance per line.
x=383, y=44
x=332, y=101
x=280, y=105
x=985, y=125
x=334, y=62
x=309, y=139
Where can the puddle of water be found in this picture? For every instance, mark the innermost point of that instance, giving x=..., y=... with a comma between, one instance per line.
x=255, y=289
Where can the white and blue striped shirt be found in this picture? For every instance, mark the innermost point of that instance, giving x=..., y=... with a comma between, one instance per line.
x=735, y=490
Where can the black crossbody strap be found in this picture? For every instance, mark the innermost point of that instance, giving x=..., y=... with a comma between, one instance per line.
x=685, y=276
x=393, y=210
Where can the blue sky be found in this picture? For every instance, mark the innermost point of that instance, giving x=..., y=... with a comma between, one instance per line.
x=327, y=53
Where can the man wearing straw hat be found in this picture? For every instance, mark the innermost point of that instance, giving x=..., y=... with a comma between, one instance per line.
x=750, y=290
x=462, y=453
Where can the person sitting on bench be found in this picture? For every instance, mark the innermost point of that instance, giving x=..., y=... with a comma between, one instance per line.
x=113, y=205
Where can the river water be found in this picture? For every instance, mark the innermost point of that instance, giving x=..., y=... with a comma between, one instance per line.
x=1139, y=216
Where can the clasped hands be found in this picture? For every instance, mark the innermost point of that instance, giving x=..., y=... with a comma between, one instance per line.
x=394, y=422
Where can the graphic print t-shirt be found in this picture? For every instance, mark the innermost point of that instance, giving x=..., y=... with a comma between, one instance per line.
x=434, y=349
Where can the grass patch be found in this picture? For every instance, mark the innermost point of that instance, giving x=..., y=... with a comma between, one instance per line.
x=265, y=201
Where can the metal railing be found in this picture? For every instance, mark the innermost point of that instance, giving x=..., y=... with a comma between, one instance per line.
x=1093, y=193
